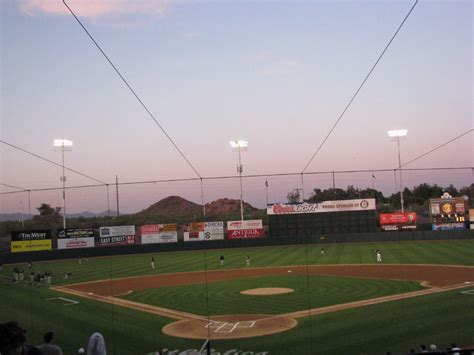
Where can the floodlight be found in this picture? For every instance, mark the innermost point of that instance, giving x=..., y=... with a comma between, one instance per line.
x=62, y=143
x=239, y=145
x=398, y=133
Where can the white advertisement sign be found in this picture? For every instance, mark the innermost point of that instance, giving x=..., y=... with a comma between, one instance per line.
x=204, y=231
x=117, y=231
x=250, y=224
x=159, y=233
x=73, y=243
x=326, y=206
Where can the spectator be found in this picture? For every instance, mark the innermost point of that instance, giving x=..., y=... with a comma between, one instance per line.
x=455, y=349
x=433, y=348
x=12, y=340
x=423, y=349
x=96, y=345
x=81, y=351
x=48, y=348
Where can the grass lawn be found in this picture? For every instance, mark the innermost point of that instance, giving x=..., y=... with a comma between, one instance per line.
x=224, y=297
x=395, y=326
x=456, y=252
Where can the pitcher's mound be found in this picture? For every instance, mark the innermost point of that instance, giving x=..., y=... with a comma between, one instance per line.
x=267, y=291
x=230, y=326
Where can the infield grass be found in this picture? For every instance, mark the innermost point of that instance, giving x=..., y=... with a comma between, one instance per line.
x=224, y=297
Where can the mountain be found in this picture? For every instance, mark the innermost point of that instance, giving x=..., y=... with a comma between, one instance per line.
x=173, y=205
x=13, y=217
x=86, y=214
x=178, y=206
x=225, y=205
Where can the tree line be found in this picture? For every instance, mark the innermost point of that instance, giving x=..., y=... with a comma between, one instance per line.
x=416, y=198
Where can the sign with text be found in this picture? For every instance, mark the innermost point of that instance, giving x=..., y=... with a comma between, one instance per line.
x=117, y=235
x=448, y=213
x=201, y=231
x=159, y=233
x=76, y=238
x=33, y=240
x=325, y=206
x=398, y=221
x=245, y=229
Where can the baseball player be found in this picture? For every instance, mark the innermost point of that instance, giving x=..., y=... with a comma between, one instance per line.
x=247, y=260
x=221, y=259
x=322, y=251
x=379, y=255
x=152, y=263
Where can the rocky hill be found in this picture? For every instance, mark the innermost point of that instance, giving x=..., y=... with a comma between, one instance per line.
x=225, y=205
x=178, y=206
x=173, y=205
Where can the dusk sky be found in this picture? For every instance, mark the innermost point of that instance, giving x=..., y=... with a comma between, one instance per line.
x=277, y=74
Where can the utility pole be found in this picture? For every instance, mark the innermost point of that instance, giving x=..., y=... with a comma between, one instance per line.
x=117, y=192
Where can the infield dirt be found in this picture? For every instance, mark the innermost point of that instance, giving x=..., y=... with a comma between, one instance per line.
x=438, y=278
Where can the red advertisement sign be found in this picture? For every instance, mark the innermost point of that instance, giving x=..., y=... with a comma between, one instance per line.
x=398, y=221
x=245, y=229
x=245, y=234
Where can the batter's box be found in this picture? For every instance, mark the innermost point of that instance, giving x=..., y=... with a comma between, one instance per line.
x=66, y=301
x=228, y=327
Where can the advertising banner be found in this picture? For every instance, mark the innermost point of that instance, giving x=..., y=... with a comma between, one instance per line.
x=117, y=235
x=201, y=231
x=448, y=213
x=33, y=240
x=245, y=229
x=76, y=238
x=398, y=221
x=325, y=206
x=159, y=233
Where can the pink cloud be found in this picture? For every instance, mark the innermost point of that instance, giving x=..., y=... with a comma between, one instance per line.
x=94, y=9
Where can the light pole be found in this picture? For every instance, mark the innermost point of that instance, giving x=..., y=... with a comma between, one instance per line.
x=22, y=218
x=63, y=145
x=240, y=146
x=396, y=136
x=266, y=189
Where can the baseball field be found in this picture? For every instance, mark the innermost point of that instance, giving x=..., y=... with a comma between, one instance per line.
x=287, y=300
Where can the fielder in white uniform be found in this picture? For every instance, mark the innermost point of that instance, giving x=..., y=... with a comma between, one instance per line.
x=153, y=263
x=379, y=256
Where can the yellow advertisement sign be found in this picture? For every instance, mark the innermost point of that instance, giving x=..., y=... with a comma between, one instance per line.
x=30, y=245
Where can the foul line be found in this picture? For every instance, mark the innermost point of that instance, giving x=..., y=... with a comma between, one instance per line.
x=178, y=315
x=71, y=302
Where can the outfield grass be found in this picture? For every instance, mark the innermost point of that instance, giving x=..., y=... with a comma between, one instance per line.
x=396, y=326
x=456, y=252
x=224, y=297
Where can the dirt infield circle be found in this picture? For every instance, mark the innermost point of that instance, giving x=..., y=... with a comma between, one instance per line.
x=230, y=326
x=267, y=291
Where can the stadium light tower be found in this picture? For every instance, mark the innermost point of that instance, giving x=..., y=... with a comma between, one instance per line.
x=63, y=145
x=240, y=146
x=397, y=135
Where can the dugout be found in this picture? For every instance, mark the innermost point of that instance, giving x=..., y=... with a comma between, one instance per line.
x=329, y=217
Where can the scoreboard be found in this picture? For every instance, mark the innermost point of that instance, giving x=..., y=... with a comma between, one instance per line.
x=448, y=213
